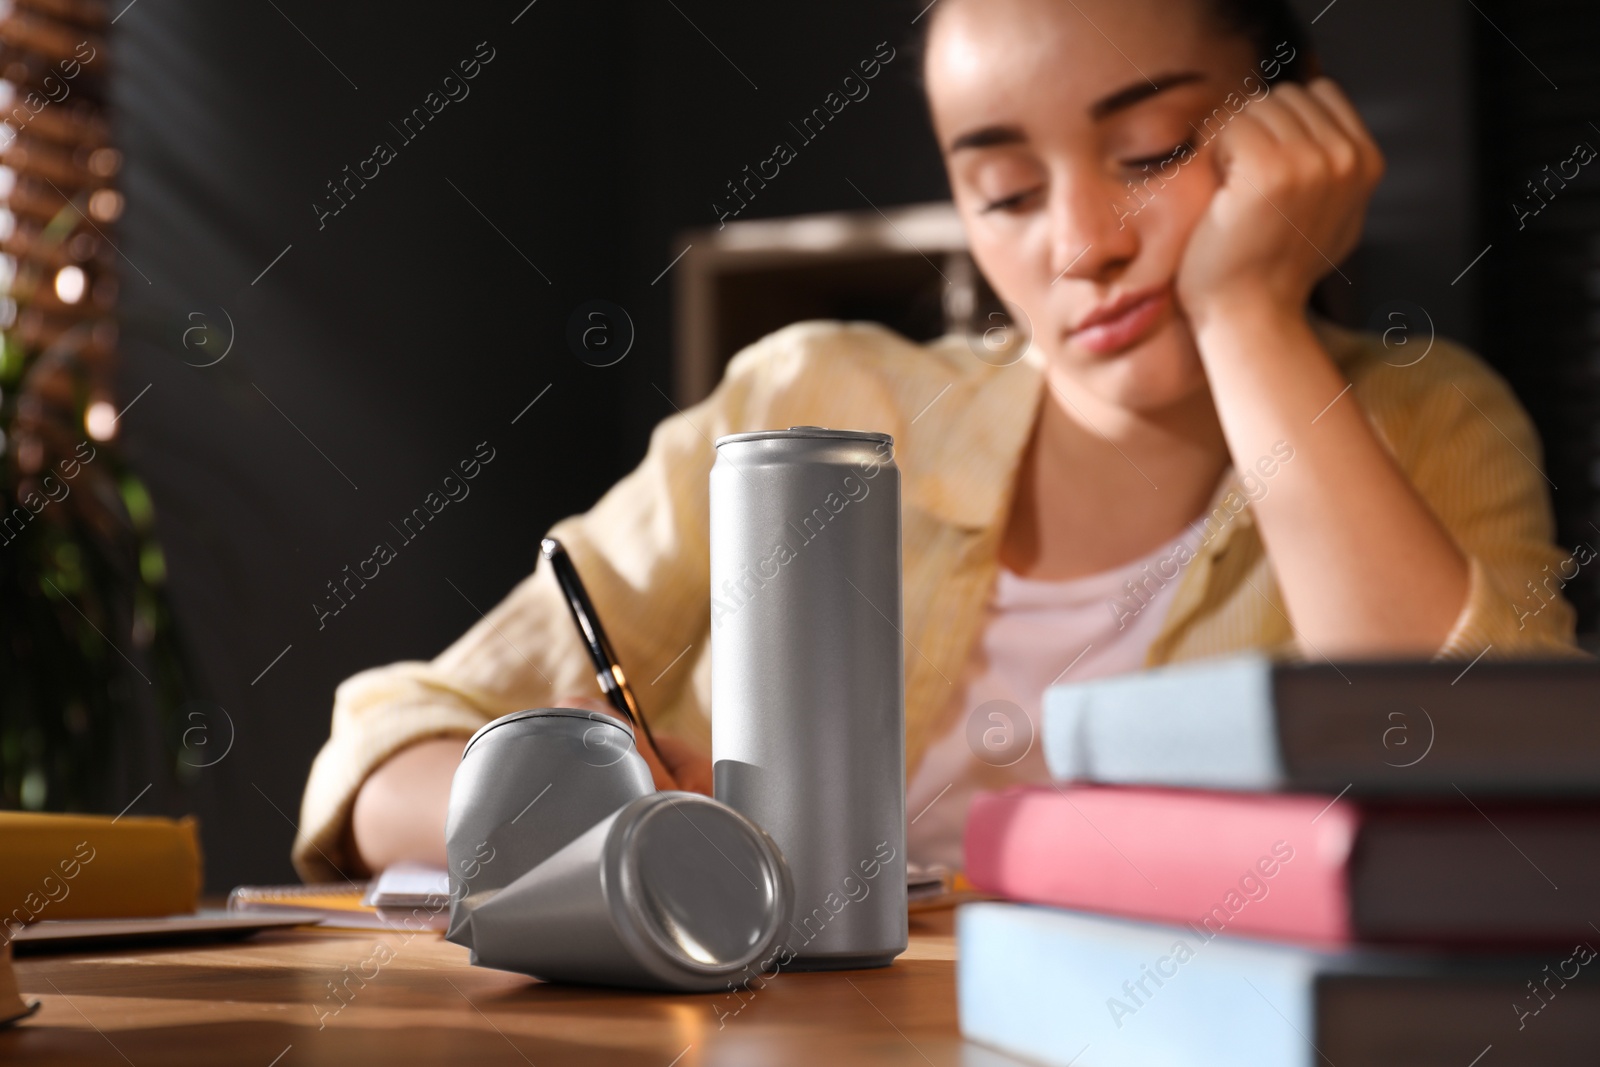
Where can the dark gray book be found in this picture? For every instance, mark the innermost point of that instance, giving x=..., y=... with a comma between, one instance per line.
x=1514, y=727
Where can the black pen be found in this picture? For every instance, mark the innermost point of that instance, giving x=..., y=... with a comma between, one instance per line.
x=608, y=672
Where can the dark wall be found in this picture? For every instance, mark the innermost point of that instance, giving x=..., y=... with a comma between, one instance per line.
x=1540, y=100
x=393, y=337
x=694, y=122
x=1409, y=68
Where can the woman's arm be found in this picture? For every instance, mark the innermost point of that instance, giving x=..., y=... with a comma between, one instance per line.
x=399, y=814
x=400, y=811
x=1365, y=566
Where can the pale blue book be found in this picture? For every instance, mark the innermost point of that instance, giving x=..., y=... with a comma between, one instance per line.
x=1074, y=990
x=1514, y=727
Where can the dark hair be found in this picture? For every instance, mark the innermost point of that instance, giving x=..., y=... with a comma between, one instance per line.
x=1269, y=26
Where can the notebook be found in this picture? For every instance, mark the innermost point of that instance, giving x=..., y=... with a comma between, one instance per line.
x=409, y=885
x=76, y=935
x=407, y=896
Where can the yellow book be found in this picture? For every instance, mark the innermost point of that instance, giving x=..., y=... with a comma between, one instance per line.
x=95, y=867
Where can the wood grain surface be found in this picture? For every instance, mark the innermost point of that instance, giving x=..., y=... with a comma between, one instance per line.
x=412, y=999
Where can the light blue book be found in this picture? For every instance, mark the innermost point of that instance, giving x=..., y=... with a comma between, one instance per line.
x=1075, y=990
x=1515, y=727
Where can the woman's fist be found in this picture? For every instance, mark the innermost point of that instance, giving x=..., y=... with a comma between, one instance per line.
x=680, y=766
x=1296, y=171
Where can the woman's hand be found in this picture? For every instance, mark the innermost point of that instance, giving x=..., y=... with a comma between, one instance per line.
x=1297, y=170
x=685, y=767
x=1345, y=528
x=681, y=766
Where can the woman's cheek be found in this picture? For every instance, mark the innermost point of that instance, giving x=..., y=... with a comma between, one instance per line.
x=1012, y=253
x=1172, y=216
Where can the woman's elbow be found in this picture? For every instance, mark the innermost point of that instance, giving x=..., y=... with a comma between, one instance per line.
x=399, y=812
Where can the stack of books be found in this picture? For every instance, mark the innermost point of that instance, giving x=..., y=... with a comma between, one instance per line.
x=1243, y=862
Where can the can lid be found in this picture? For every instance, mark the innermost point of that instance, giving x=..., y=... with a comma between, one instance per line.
x=807, y=431
x=705, y=892
x=598, y=718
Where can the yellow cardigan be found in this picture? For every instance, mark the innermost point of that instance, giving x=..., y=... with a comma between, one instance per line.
x=960, y=426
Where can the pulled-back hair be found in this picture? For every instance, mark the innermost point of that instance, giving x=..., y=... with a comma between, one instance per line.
x=1268, y=25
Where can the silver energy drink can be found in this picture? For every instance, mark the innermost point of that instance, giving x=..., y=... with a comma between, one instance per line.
x=527, y=784
x=808, y=679
x=671, y=891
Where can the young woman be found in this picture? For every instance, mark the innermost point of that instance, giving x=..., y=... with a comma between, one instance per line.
x=1182, y=463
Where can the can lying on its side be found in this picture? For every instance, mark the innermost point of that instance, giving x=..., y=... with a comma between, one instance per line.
x=807, y=677
x=674, y=891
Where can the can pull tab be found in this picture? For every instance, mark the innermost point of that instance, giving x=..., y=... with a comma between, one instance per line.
x=792, y=428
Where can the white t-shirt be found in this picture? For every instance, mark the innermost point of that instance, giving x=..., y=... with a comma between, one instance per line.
x=1035, y=635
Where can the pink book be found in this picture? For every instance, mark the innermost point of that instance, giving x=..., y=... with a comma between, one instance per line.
x=1309, y=868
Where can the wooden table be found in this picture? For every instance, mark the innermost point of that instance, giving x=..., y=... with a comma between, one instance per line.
x=268, y=1002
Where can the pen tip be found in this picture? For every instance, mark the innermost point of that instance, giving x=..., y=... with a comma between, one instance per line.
x=548, y=547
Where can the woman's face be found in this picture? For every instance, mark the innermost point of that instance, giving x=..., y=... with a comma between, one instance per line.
x=1046, y=112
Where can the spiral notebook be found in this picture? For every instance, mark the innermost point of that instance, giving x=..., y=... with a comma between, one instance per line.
x=416, y=896
x=406, y=896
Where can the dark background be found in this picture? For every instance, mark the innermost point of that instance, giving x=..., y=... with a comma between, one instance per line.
x=382, y=348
